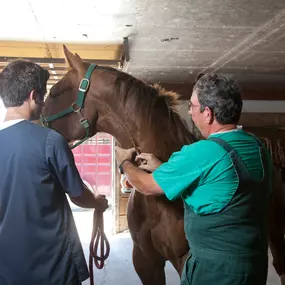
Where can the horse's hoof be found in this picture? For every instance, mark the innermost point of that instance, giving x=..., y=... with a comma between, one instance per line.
x=282, y=279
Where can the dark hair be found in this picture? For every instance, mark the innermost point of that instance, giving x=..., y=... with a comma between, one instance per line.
x=18, y=79
x=222, y=95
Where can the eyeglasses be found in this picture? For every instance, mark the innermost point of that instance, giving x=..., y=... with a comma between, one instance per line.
x=191, y=105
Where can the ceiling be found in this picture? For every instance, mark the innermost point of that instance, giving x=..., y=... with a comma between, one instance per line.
x=169, y=41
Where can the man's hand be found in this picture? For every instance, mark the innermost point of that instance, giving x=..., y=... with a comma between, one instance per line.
x=149, y=161
x=123, y=154
x=89, y=200
x=139, y=179
x=101, y=203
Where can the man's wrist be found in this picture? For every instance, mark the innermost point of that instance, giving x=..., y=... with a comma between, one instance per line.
x=122, y=164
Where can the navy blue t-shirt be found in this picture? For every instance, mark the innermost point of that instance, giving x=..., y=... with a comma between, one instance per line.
x=39, y=243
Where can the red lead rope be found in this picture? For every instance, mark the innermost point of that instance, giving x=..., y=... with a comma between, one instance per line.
x=98, y=237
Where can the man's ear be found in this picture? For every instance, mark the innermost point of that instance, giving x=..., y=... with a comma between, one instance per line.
x=209, y=115
x=32, y=95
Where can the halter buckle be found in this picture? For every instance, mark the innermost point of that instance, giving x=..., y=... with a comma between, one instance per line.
x=76, y=108
x=44, y=122
x=85, y=82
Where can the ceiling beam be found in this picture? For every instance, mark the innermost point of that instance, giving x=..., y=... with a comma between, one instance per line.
x=55, y=50
x=60, y=62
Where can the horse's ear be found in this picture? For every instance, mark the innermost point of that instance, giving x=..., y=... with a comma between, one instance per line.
x=74, y=61
x=78, y=56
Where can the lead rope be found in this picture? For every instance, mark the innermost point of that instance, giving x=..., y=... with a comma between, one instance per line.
x=98, y=236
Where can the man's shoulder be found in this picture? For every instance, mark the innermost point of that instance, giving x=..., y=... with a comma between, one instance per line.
x=55, y=137
x=43, y=131
x=25, y=129
x=203, y=146
x=235, y=135
x=34, y=127
x=51, y=136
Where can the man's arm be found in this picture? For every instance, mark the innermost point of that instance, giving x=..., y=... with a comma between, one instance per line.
x=89, y=200
x=171, y=178
x=61, y=161
x=142, y=181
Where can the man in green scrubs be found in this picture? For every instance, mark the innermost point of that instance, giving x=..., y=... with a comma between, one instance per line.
x=225, y=183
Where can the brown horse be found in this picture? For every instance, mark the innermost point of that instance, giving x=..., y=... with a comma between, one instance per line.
x=135, y=113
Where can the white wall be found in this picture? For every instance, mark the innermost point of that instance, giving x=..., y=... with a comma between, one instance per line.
x=249, y=106
x=262, y=106
x=2, y=111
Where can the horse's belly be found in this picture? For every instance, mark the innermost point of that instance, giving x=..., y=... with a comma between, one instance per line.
x=168, y=237
x=155, y=225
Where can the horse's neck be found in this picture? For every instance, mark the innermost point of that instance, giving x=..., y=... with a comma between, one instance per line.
x=163, y=140
x=158, y=144
x=132, y=131
x=121, y=130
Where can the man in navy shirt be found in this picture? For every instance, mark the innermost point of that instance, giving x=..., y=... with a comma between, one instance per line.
x=39, y=243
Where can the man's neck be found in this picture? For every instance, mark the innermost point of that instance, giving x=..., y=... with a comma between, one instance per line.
x=224, y=128
x=220, y=128
x=16, y=113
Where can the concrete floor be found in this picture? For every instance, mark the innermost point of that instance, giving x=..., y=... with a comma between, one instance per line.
x=119, y=268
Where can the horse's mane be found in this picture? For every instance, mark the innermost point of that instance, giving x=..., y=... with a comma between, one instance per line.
x=153, y=104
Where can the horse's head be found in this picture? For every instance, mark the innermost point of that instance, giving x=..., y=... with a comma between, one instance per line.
x=70, y=107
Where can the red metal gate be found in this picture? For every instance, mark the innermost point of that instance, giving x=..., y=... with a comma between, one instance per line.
x=93, y=159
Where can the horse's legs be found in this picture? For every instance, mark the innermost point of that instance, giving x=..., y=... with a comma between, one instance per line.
x=150, y=270
x=178, y=263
